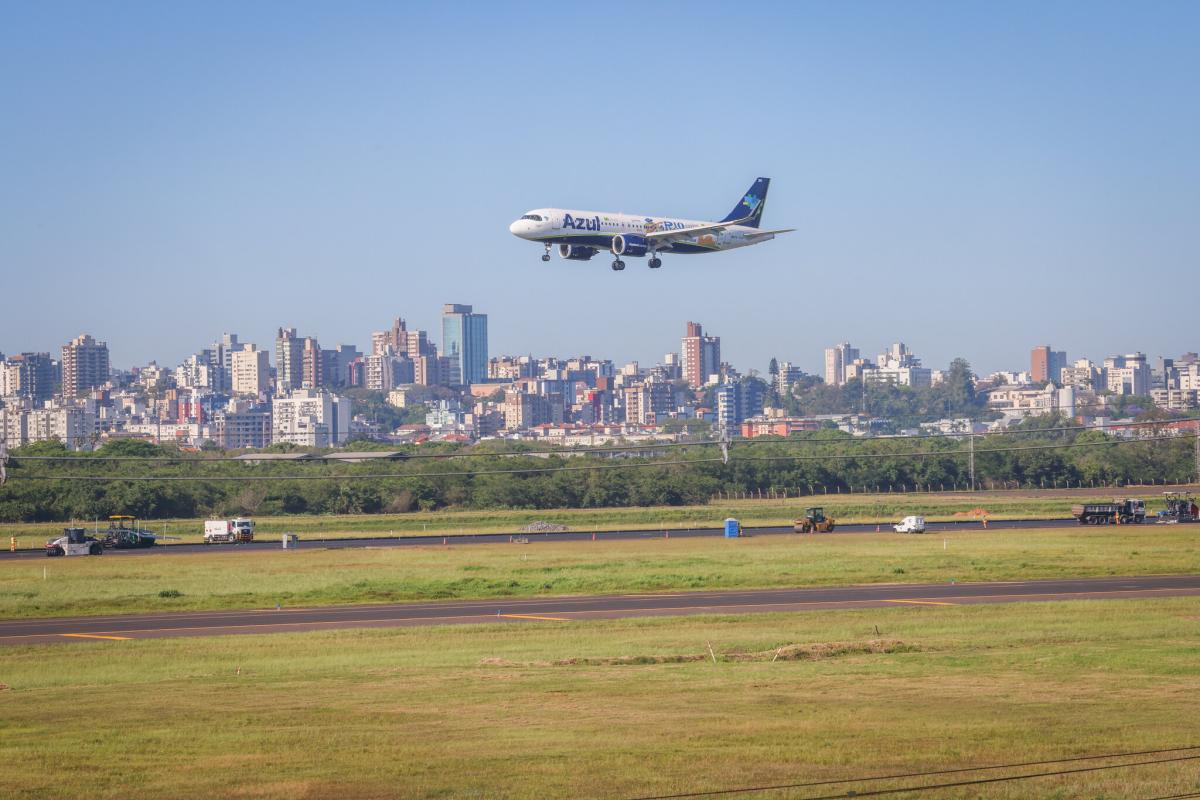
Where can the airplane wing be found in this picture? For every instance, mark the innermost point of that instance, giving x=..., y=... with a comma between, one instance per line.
x=756, y=234
x=686, y=233
x=679, y=234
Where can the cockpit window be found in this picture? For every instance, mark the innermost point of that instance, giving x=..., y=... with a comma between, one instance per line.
x=533, y=217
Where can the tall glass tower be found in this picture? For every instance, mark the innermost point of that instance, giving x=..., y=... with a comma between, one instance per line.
x=464, y=343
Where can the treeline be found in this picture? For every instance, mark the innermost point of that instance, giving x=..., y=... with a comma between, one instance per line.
x=42, y=490
x=905, y=406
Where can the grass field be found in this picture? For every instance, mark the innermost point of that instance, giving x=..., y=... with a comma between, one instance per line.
x=1014, y=504
x=555, y=710
x=314, y=576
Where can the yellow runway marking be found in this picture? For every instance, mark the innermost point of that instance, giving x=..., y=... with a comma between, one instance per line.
x=534, y=616
x=922, y=602
x=97, y=636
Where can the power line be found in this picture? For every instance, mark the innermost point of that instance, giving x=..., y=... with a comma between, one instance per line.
x=949, y=784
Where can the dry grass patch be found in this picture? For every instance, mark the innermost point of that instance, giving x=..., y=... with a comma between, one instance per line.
x=788, y=652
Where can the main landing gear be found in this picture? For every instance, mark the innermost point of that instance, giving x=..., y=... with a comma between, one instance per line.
x=618, y=265
x=546, y=255
x=655, y=262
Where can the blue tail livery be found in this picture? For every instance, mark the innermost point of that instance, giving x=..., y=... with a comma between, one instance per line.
x=749, y=209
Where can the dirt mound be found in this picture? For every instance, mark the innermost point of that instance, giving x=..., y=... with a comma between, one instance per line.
x=789, y=652
x=974, y=512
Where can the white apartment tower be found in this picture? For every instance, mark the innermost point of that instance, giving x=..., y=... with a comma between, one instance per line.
x=837, y=358
x=251, y=371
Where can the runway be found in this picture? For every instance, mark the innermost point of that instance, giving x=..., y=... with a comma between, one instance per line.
x=559, y=610
x=566, y=536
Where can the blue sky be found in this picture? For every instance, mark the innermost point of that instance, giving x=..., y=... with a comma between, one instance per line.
x=971, y=178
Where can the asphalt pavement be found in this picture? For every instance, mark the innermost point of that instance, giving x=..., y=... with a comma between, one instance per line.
x=264, y=543
x=557, y=610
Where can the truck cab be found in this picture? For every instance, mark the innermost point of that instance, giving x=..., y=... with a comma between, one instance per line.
x=228, y=531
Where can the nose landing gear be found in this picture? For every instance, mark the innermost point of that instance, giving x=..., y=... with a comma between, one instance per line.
x=618, y=265
x=546, y=255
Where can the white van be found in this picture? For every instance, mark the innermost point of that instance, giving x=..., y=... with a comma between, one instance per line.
x=910, y=524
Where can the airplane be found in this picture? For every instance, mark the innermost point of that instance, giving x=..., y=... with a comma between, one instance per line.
x=581, y=234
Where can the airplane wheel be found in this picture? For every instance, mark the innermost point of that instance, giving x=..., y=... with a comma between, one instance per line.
x=655, y=263
x=545, y=257
x=620, y=265
x=614, y=266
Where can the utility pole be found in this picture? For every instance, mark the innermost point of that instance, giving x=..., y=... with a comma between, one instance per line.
x=1197, y=440
x=971, y=460
x=4, y=461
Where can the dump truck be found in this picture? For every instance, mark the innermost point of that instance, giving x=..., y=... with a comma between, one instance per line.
x=1121, y=511
x=74, y=542
x=235, y=530
x=814, y=520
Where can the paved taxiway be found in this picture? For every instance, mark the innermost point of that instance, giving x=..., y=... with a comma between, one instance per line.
x=573, y=609
x=273, y=543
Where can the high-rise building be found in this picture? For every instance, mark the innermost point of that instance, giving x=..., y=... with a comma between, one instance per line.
x=241, y=424
x=1058, y=362
x=788, y=374
x=312, y=364
x=701, y=356
x=648, y=403
x=1127, y=374
x=289, y=360
x=1046, y=364
x=465, y=344
x=837, y=358
x=250, y=372
x=28, y=375
x=311, y=418
x=84, y=365
x=431, y=370
x=1039, y=363
x=337, y=364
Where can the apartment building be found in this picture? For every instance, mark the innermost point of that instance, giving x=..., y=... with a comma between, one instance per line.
x=84, y=365
x=250, y=371
x=311, y=418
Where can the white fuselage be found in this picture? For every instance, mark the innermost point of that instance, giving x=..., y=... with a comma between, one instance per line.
x=597, y=229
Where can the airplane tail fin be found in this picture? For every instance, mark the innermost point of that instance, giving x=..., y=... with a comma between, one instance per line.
x=751, y=204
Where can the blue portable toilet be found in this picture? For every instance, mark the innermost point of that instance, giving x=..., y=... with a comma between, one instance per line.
x=733, y=528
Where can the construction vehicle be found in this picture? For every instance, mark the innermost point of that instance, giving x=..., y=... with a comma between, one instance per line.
x=126, y=533
x=1121, y=511
x=236, y=530
x=814, y=520
x=910, y=524
x=74, y=542
x=1181, y=507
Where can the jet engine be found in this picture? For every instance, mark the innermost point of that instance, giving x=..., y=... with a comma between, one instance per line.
x=629, y=244
x=573, y=252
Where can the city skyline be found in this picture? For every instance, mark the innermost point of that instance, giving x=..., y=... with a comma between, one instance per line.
x=278, y=172
x=823, y=364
